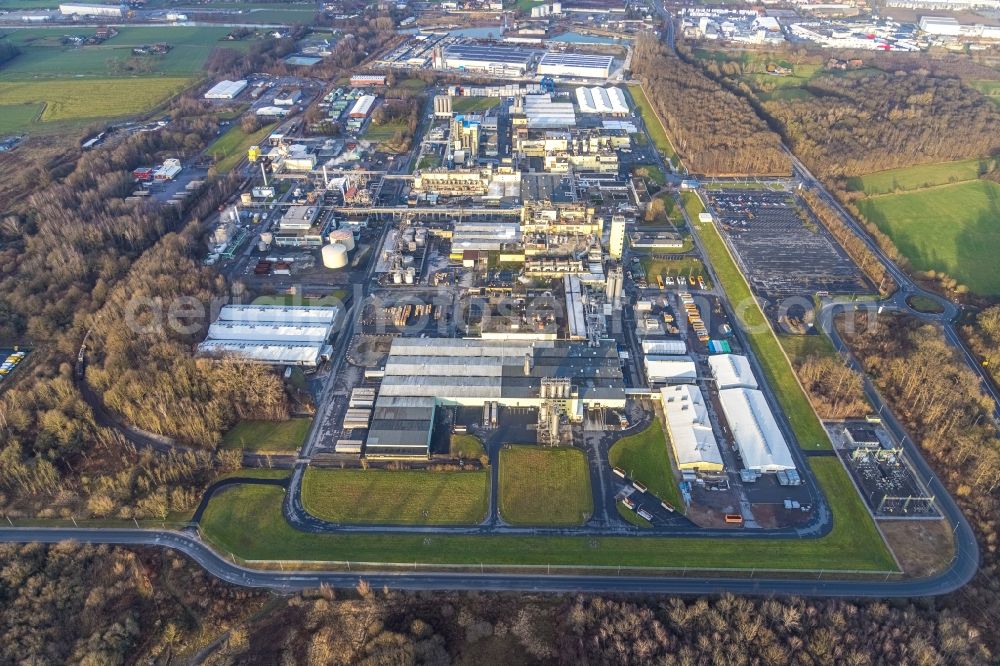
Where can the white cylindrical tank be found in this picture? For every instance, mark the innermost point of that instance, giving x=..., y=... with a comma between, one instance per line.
x=334, y=255
x=343, y=236
x=397, y=277
x=409, y=276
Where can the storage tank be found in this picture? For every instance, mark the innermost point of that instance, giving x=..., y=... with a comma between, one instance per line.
x=334, y=255
x=408, y=277
x=397, y=277
x=343, y=236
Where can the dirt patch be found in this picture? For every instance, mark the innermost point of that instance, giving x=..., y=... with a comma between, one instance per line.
x=923, y=547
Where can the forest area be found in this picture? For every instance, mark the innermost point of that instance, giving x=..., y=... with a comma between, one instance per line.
x=715, y=131
x=151, y=606
x=76, y=257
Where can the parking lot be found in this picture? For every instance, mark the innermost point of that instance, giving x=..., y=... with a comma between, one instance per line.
x=782, y=249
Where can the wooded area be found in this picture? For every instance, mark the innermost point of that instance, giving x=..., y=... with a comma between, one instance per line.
x=715, y=131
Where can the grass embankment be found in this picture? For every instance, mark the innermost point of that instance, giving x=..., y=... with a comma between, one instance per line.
x=231, y=147
x=951, y=228
x=644, y=457
x=653, y=125
x=248, y=522
x=400, y=497
x=692, y=204
x=267, y=436
x=544, y=486
x=800, y=347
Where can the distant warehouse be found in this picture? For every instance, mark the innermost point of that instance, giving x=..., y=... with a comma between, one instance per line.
x=575, y=65
x=272, y=334
x=496, y=60
x=226, y=89
x=80, y=9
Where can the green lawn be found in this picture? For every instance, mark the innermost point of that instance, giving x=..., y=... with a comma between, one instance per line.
x=248, y=521
x=231, y=147
x=917, y=177
x=630, y=516
x=267, y=436
x=798, y=347
x=644, y=458
x=335, y=298
x=473, y=104
x=43, y=56
x=544, y=486
x=952, y=228
x=467, y=447
x=652, y=122
x=652, y=172
x=401, y=497
x=808, y=430
x=692, y=204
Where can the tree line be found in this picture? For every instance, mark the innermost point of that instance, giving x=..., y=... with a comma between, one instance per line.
x=715, y=131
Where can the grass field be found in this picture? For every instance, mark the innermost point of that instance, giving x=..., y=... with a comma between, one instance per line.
x=231, y=147
x=467, y=447
x=81, y=100
x=16, y=117
x=798, y=347
x=335, y=298
x=267, y=436
x=951, y=228
x=808, y=430
x=248, y=521
x=644, y=458
x=692, y=204
x=918, y=177
x=44, y=57
x=685, y=267
x=403, y=497
x=630, y=516
x=473, y=104
x=544, y=486
x=652, y=123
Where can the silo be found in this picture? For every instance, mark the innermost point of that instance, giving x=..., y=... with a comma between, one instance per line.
x=343, y=236
x=334, y=255
x=410, y=273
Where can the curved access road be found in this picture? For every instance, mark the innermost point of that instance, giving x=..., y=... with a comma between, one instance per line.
x=957, y=575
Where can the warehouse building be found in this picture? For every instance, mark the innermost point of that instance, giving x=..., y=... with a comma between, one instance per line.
x=602, y=100
x=485, y=236
x=690, y=429
x=226, y=89
x=542, y=113
x=758, y=437
x=362, y=107
x=664, y=347
x=401, y=426
x=495, y=60
x=575, y=65
x=79, y=9
x=272, y=334
x=671, y=369
x=367, y=80
x=732, y=371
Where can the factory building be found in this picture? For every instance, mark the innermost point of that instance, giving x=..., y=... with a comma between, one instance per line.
x=575, y=65
x=226, y=89
x=758, y=437
x=79, y=9
x=664, y=347
x=690, y=429
x=272, y=334
x=422, y=373
x=602, y=100
x=670, y=369
x=656, y=240
x=540, y=112
x=495, y=60
x=732, y=371
x=576, y=321
x=466, y=133
x=453, y=182
x=485, y=236
x=367, y=80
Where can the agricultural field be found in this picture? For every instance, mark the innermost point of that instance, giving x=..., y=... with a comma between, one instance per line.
x=87, y=100
x=544, y=486
x=231, y=147
x=247, y=521
x=267, y=436
x=16, y=117
x=951, y=228
x=403, y=497
x=44, y=57
x=919, y=177
x=644, y=457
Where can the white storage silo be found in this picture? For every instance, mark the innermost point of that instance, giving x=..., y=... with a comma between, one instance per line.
x=334, y=255
x=343, y=236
